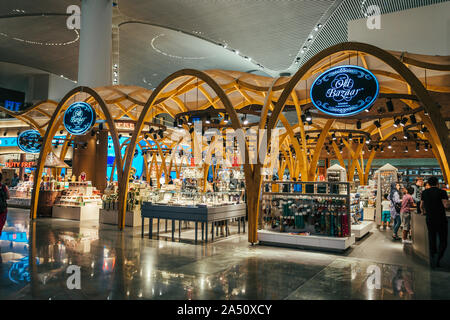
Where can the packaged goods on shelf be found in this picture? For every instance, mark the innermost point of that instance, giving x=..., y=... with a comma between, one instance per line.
x=79, y=194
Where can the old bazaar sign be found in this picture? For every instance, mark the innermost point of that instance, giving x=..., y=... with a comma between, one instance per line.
x=29, y=141
x=79, y=118
x=344, y=90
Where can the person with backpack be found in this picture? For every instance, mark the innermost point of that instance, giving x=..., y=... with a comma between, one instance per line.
x=4, y=195
x=396, y=203
x=434, y=202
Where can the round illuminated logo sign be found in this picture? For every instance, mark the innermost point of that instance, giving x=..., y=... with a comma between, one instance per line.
x=79, y=118
x=344, y=90
x=29, y=141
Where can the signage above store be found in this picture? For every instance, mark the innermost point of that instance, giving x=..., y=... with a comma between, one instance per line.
x=344, y=90
x=29, y=141
x=79, y=118
x=20, y=164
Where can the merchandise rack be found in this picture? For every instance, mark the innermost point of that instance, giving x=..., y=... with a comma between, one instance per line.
x=317, y=191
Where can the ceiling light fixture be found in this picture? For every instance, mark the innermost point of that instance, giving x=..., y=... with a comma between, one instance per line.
x=308, y=116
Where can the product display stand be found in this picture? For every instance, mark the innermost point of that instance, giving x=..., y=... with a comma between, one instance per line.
x=384, y=176
x=132, y=218
x=79, y=202
x=138, y=191
x=317, y=218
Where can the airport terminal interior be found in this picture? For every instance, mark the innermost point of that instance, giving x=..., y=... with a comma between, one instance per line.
x=224, y=150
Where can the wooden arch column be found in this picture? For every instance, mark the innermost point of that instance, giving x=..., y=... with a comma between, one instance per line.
x=53, y=126
x=151, y=102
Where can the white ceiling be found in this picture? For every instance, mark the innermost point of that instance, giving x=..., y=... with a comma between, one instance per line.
x=186, y=34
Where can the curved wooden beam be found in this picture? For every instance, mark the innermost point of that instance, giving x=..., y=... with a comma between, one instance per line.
x=53, y=126
x=149, y=106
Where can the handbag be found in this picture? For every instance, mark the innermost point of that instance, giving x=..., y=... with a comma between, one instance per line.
x=397, y=207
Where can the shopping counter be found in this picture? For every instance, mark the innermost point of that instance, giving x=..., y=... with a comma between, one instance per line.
x=420, y=239
x=202, y=215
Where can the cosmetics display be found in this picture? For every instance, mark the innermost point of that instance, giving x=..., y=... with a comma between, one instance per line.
x=79, y=194
x=138, y=191
x=80, y=201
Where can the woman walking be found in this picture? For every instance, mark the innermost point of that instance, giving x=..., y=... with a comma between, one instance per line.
x=394, y=198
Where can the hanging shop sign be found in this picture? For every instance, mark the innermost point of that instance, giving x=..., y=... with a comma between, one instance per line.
x=29, y=141
x=344, y=90
x=79, y=118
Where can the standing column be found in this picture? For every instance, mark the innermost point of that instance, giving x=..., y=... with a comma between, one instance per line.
x=23, y=158
x=84, y=157
x=101, y=160
x=94, y=59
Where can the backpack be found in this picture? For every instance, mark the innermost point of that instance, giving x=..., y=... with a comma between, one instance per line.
x=3, y=203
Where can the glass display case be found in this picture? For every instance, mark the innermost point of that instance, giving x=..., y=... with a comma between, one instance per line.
x=79, y=194
x=384, y=177
x=195, y=199
x=80, y=201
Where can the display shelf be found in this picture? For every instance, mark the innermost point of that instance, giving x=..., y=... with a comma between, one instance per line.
x=266, y=237
x=384, y=177
x=79, y=202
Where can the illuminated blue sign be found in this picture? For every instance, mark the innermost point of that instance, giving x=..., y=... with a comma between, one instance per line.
x=344, y=90
x=29, y=141
x=79, y=118
x=13, y=105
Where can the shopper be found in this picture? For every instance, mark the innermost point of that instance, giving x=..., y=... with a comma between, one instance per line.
x=4, y=195
x=395, y=206
x=418, y=188
x=385, y=213
x=405, y=212
x=434, y=202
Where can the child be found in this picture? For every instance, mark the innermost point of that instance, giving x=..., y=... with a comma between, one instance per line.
x=386, y=213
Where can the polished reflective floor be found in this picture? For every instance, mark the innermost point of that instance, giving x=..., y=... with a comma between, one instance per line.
x=35, y=257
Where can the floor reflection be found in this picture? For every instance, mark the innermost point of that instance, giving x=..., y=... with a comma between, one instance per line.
x=120, y=265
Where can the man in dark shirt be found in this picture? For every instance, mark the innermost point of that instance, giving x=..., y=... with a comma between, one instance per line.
x=433, y=204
